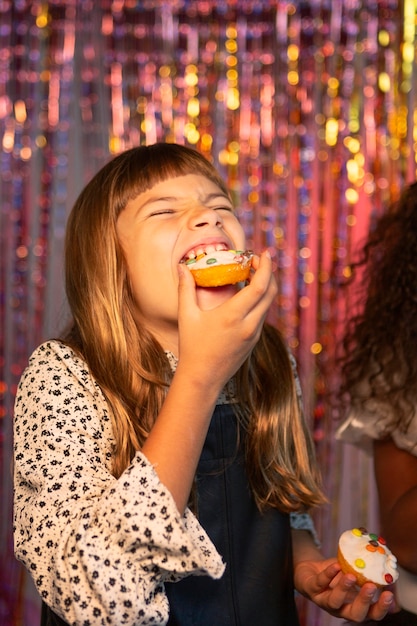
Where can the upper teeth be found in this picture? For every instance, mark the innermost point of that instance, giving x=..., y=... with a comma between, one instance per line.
x=195, y=252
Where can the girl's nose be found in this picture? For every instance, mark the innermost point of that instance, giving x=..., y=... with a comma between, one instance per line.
x=204, y=216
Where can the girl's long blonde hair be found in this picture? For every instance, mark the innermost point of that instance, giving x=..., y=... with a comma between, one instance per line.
x=280, y=454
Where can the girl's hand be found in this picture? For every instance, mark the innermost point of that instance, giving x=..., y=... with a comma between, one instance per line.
x=337, y=593
x=214, y=343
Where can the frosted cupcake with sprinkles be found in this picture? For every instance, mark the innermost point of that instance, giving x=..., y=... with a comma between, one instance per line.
x=366, y=556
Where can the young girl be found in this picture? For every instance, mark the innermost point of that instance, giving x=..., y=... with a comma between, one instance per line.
x=161, y=399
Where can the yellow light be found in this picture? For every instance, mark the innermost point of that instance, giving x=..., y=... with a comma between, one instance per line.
x=43, y=18
x=383, y=38
x=193, y=107
x=409, y=20
x=352, y=144
x=408, y=52
x=353, y=125
x=333, y=83
x=146, y=125
x=332, y=129
x=223, y=157
x=114, y=145
x=231, y=46
x=20, y=111
x=293, y=52
x=352, y=170
x=360, y=159
x=278, y=169
x=191, y=79
x=293, y=77
x=384, y=82
x=351, y=195
x=164, y=71
x=206, y=141
x=232, y=99
x=192, y=135
x=316, y=348
x=231, y=32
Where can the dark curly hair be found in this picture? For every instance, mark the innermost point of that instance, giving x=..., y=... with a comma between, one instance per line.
x=379, y=361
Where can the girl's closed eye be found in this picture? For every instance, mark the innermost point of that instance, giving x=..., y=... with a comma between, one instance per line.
x=170, y=211
x=224, y=208
x=161, y=212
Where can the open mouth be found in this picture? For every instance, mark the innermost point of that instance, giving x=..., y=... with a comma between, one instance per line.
x=202, y=250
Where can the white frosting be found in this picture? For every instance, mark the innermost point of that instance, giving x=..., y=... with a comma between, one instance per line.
x=368, y=555
x=218, y=257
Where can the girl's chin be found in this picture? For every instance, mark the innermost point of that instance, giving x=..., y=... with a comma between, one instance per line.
x=210, y=297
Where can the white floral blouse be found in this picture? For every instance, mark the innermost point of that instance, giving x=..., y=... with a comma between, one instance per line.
x=99, y=549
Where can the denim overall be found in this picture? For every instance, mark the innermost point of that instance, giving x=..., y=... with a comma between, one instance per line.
x=257, y=585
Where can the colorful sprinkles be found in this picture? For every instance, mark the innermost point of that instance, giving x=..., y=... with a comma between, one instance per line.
x=376, y=544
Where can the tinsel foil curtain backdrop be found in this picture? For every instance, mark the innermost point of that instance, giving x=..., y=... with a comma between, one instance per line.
x=307, y=108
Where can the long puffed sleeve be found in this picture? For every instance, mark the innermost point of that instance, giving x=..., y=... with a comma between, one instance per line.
x=99, y=549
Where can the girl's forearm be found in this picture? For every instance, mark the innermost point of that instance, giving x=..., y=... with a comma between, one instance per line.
x=304, y=548
x=175, y=442
x=396, y=477
x=399, y=528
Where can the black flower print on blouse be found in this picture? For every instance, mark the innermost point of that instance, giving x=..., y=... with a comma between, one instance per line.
x=99, y=549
